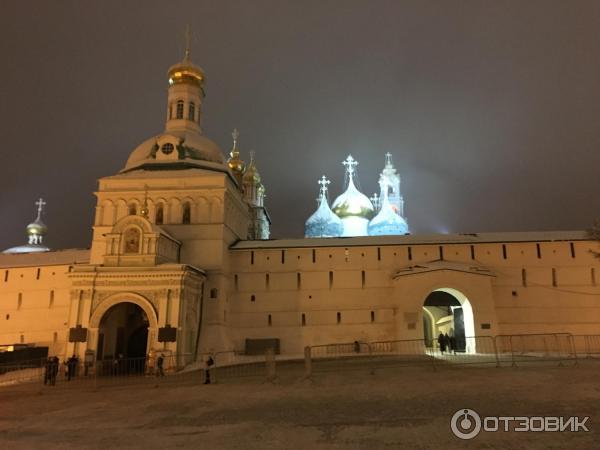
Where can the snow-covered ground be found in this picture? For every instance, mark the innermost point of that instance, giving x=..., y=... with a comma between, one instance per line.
x=402, y=407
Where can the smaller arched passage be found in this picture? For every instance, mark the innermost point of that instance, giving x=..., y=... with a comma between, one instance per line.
x=448, y=315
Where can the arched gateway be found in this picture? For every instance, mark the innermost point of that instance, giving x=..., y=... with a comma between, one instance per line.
x=448, y=311
x=123, y=326
x=123, y=332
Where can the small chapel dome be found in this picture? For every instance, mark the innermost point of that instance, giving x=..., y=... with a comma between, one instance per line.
x=387, y=222
x=36, y=231
x=323, y=222
x=37, y=227
x=251, y=174
x=235, y=163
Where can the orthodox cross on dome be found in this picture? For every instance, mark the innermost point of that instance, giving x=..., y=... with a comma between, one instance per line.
x=375, y=200
x=251, y=152
x=323, y=182
x=350, y=164
x=388, y=159
x=188, y=38
x=40, y=204
x=235, y=134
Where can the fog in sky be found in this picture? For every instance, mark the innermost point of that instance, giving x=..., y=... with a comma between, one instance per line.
x=491, y=109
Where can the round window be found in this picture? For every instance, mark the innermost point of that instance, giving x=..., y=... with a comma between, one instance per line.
x=167, y=148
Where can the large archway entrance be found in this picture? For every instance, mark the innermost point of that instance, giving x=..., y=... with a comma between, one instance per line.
x=123, y=334
x=448, y=312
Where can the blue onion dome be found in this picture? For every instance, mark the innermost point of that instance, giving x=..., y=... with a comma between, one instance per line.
x=387, y=221
x=323, y=222
x=352, y=203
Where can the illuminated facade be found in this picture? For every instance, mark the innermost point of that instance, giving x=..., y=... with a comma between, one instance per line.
x=180, y=263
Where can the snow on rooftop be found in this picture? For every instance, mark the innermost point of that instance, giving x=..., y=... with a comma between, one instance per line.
x=51, y=258
x=468, y=238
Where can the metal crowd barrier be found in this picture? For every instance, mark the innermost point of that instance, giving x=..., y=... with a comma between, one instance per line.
x=536, y=348
x=587, y=345
x=500, y=350
x=333, y=357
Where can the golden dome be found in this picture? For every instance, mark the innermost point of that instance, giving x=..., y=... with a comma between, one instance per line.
x=185, y=72
x=38, y=227
x=251, y=174
x=235, y=163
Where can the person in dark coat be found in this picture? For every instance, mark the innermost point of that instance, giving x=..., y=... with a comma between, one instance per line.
x=443, y=342
x=159, y=366
x=448, y=343
x=48, y=371
x=54, y=370
x=71, y=367
x=452, y=344
x=209, y=363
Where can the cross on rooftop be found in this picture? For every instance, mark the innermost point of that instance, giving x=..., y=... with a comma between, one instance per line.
x=235, y=135
x=388, y=159
x=188, y=38
x=350, y=164
x=40, y=204
x=323, y=182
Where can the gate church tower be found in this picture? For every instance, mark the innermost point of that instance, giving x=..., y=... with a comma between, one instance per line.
x=159, y=258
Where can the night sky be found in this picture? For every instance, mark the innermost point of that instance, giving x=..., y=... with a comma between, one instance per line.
x=491, y=109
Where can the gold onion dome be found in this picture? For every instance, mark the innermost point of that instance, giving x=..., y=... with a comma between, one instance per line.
x=251, y=174
x=235, y=163
x=352, y=202
x=37, y=227
x=186, y=72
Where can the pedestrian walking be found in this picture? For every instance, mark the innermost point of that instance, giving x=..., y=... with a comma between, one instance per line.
x=159, y=366
x=209, y=363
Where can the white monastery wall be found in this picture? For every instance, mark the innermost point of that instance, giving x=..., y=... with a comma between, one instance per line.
x=525, y=293
x=35, y=299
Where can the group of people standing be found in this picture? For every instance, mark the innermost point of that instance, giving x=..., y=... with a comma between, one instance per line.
x=447, y=343
x=52, y=366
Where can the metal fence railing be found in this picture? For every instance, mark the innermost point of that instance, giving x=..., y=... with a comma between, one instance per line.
x=587, y=346
x=225, y=366
x=54, y=372
x=536, y=348
x=346, y=355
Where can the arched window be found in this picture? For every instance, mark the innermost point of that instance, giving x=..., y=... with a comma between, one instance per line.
x=187, y=213
x=132, y=209
x=179, y=112
x=132, y=240
x=159, y=214
x=192, y=111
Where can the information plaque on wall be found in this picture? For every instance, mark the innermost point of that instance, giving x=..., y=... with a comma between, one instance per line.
x=167, y=334
x=78, y=334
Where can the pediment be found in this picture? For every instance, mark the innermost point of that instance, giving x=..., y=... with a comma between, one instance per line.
x=439, y=265
x=142, y=223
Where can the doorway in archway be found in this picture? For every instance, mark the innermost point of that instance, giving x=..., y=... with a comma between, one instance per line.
x=123, y=336
x=448, y=313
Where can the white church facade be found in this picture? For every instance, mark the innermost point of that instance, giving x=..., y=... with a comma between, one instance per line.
x=180, y=262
